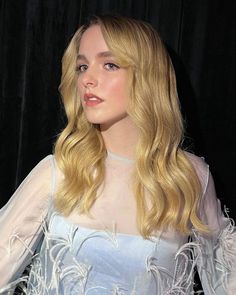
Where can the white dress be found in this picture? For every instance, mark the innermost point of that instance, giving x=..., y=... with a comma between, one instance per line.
x=64, y=256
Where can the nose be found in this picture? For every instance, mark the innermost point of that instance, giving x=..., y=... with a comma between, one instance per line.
x=89, y=79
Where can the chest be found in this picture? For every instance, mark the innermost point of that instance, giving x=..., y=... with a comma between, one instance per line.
x=101, y=246
x=112, y=261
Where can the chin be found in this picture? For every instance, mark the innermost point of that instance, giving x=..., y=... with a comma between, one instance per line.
x=95, y=121
x=107, y=122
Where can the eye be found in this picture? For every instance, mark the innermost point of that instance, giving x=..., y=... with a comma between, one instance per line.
x=111, y=66
x=81, y=68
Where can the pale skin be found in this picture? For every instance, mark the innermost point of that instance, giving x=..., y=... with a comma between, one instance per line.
x=101, y=78
x=100, y=75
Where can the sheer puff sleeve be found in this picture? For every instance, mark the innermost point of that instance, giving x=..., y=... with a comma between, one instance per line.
x=215, y=251
x=21, y=222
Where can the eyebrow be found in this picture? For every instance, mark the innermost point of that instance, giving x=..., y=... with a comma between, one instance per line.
x=99, y=55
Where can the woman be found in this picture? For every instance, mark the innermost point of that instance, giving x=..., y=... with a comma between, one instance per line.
x=119, y=208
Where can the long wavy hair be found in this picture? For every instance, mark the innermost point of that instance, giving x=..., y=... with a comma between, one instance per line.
x=162, y=168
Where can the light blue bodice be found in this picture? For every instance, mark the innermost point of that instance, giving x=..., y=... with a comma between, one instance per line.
x=79, y=260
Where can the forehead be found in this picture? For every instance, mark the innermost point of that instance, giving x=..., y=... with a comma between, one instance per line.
x=92, y=40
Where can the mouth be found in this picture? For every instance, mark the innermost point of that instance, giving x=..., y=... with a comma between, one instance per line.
x=92, y=100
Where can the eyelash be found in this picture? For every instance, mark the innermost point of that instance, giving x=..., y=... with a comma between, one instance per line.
x=113, y=66
x=78, y=68
x=82, y=68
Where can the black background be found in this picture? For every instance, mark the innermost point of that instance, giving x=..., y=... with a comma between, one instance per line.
x=200, y=36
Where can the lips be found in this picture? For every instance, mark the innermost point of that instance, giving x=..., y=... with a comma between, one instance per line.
x=92, y=100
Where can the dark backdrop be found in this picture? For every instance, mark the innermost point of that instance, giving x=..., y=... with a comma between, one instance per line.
x=200, y=36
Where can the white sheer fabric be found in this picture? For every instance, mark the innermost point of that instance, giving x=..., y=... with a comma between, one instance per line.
x=104, y=254
x=21, y=219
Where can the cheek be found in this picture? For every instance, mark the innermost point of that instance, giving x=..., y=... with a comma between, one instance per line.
x=79, y=86
x=120, y=91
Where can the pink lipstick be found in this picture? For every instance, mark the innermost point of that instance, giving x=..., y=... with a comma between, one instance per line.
x=91, y=99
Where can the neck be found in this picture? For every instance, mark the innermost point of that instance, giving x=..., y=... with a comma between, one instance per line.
x=121, y=138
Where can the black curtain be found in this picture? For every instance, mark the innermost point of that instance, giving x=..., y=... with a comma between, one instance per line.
x=199, y=35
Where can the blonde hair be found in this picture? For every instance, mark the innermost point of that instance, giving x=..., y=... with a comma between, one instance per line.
x=163, y=171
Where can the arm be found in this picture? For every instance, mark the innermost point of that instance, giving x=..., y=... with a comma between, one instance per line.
x=21, y=221
x=217, y=260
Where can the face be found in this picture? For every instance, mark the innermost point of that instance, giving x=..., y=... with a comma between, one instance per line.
x=102, y=83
